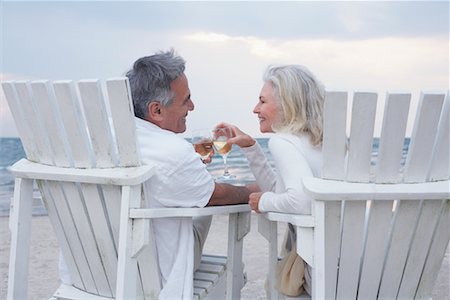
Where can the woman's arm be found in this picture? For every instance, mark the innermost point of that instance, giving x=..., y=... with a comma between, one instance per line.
x=292, y=167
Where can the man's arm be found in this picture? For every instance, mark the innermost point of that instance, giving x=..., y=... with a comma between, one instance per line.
x=225, y=194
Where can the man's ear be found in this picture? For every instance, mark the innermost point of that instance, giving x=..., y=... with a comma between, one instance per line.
x=154, y=111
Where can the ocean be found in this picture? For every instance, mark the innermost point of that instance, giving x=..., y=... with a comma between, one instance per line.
x=11, y=150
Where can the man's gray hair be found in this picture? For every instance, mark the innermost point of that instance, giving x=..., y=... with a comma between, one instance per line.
x=150, y=80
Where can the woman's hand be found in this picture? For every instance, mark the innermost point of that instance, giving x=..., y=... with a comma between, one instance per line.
x=239, y=138
x=254, y=201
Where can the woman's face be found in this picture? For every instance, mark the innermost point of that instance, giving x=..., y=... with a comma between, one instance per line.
x=267, y=109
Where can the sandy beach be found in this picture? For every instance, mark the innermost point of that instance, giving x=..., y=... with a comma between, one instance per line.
x=43, y=276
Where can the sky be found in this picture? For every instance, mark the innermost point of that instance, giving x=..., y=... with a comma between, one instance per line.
x=349, y=45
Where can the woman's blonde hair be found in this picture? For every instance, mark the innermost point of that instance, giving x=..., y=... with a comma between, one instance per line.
x=301, y=97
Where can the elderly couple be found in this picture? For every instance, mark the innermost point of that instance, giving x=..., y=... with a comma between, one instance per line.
x=290, y=104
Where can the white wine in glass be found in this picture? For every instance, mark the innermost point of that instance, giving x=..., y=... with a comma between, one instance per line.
x=220, y=137
x=201, y=139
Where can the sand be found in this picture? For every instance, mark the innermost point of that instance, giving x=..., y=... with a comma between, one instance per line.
x=43, y=276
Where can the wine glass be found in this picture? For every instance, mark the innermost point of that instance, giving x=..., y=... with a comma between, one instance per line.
x=220, y=137
x=201, y=139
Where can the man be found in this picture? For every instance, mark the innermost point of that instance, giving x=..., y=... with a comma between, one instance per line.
x=162, y=100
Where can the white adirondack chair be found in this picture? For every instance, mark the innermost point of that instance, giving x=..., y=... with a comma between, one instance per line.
x=379, y=230
x=90, y=178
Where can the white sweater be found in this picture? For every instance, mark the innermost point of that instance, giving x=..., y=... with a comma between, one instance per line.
x=295, y=158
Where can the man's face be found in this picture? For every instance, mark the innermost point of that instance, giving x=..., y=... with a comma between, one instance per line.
x=174, y=115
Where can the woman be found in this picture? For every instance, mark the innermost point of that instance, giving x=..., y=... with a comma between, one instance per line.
x=290, y=105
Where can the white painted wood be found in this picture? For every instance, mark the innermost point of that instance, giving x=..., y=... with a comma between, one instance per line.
x=423, y=137
x=392, y=138
x=361, y=136
x=105, y=251
x=436, y=253
x=20, y=239
x=149, y=268
x=141, y=236
x=74, y=125
x=419, y=249
x=69, y=292
x=71, y=233
x=112, y=197
x=298, y=220
x=48, y=111
x=305, y=244
x=327, y=245
x=155, y=213
x=25, y=133
x=59, y=231
x=243, y=224
x=269, y=230
x=335, y=138
x=351, y=249
x=97, y=120
x=402, y=233
x=83, y=223
x=127, y=265
x=377, y=241
x=123, y=119
x=440, y=167
x=113, y=176
x=327, y=190
x=234, y=262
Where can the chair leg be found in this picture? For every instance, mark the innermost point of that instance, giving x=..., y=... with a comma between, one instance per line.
x=127, y=264
x=238, y=227
x=269, y=230
x=20, y=239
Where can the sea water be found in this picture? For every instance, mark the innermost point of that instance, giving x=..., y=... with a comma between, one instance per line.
x=11, y=151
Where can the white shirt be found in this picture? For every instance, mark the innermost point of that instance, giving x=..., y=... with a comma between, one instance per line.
x=181, y=180
x=295, y=158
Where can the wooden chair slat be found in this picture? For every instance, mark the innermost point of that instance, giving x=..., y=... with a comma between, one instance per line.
x=377, y=241
x=23, y=128
x=72, y=236
x=59, y=230
x=85, y=227
x=440, y=167
x=327, y=241
x=423, y=137
x=112, y=196
x=419, y=249
x=47, y=110
x=30, y=110
x=102, y=236
x=351, y=249
x=436, y=253
x=123, y=119
x=361, y=136
x=98, y=123
x=402, y=233
x=74, y=125
x=392, y=138
x=334, y=141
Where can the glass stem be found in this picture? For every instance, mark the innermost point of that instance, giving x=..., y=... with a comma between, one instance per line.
x=225, y=171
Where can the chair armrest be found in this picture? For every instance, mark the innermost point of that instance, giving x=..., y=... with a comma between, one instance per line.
x=153, y=213
x=112, y=176
x=329, y=190
x=294, y=219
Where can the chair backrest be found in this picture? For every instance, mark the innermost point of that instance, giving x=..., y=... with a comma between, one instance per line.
x=385, y=248
x=79, y=126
